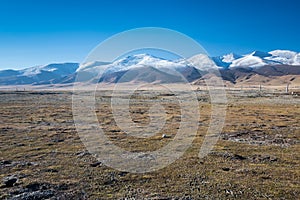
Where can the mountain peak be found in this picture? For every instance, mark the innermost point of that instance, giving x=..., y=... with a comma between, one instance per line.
x=259, y=59
x=282, y=51
x=202, y=62
x=136, y=59
x=228, y=58
x=286, y=57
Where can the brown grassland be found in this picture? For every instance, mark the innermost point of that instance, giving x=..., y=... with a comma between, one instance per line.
x=256, y=157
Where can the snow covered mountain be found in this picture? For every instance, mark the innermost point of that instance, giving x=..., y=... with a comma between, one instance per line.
x=131, y=62
x=259, y=59
x=285, y=57
x=141, y=67
x=225, y=60
x=38, y=74
x=148, y=68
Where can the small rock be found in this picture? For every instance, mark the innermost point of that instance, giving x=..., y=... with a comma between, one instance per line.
x=95, y=164
x=82, y=154
x=122, y=173
x=20, y=145
x=229, y=192
x=239, y=157
x=51, y=170
x=165, y=136
x=225, y=169
x=265, y=158
x=25, y=163
x=5, y=162
x=57, y=140
x=9, y=181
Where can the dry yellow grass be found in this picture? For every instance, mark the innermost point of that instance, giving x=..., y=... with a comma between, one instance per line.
x=39, y=144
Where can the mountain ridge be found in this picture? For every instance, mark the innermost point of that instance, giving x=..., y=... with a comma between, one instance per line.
x=231, y=67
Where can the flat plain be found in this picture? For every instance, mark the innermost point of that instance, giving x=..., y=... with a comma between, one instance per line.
x=256, y=156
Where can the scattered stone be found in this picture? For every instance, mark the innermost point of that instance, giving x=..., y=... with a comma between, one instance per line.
x=229, y=155
x=36, y=190
x=51, y=170
x=36, y=186
x=258, y=137
x=165, y=136
x=230, y=192
x=251, y=158
x=96, y=164
x=145, y=156
x=20, y=145
x=83, y=153
x=5, y=162
x=226, y=169
x=122, y=173
x=265, y=158
x=239, y=157
x=110, y=178
x=57, y=140
x=9, y=181
x=265, y=177
x=25, y=163
x=34, y=195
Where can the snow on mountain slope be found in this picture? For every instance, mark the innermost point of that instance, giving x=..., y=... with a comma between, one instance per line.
x=67, y=72
x=61, y=69
x=249, y=60
x=259, y=59
x=228, y=58
x=89, y=65
x=283, y=53
x=297, y=59
x=284, y=57
x=131, y=62
x=141, y=60
x=202, y=62
x=225, y=60
x=38, y=74
x=155, y=66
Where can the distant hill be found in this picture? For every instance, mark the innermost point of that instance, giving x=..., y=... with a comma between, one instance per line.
x=37, y=75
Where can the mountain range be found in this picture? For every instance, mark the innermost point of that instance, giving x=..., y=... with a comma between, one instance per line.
x=275, y=67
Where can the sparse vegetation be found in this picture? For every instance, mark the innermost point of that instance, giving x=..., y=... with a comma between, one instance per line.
x=257, y=156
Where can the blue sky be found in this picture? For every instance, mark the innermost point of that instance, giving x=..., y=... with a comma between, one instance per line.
x=35, y=32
